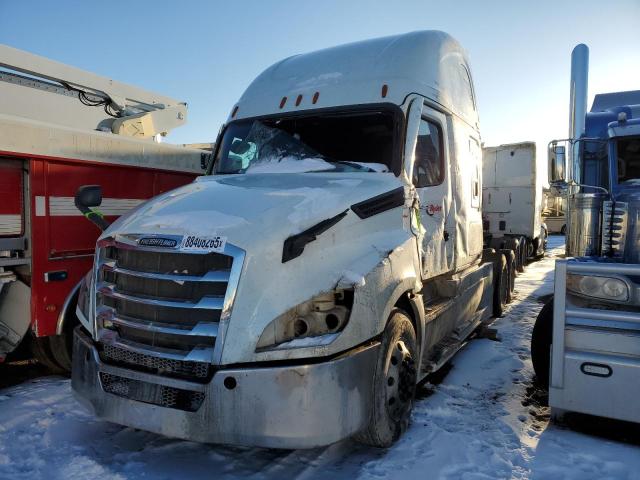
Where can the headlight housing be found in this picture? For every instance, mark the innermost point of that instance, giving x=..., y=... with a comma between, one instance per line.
x=605, y=288
x=312, y=323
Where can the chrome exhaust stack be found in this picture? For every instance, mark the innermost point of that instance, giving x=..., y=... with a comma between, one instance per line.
x=577, y=105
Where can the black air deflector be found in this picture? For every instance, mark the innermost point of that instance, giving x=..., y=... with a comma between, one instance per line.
x=294, y=245
x=379, y=203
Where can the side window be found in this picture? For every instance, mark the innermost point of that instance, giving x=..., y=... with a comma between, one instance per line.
x=428, y=169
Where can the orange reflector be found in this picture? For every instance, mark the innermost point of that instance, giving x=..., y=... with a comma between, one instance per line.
x=235, y=110
x=315, y=97
x=298, y=100
x=50, y=308
x=283, y=101
x=385, y=89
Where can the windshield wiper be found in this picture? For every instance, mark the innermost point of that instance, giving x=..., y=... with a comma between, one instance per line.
x=354, y=165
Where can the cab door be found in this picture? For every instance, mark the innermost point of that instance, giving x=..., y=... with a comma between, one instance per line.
x=428, y=149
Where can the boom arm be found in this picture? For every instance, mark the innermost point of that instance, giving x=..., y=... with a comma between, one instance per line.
x=139, y=113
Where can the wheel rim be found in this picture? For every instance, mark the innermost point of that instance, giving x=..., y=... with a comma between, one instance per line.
x=400, y=381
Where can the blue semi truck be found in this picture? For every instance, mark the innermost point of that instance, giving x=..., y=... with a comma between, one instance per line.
x=586, y=340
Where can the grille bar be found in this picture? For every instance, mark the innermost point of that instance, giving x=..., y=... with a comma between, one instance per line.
x=201, y=329
x=212, y=276
x=211, y=303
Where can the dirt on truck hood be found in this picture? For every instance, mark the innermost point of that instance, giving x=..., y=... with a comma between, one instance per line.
x=250, y=208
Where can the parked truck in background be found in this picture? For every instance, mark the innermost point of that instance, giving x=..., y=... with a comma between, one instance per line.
x=330, y=260
x=61, y=127
x=512, y=198
x=586, y=341
x=553, y=213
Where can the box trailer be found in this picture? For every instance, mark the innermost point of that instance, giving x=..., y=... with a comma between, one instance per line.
x=512, y=199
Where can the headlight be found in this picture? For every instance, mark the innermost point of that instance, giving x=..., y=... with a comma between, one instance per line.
x=607, y=288
x=312, y=323
x=83, y=310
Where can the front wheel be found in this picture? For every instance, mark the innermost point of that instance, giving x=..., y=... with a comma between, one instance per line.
x=394, y=383
x=541, y=339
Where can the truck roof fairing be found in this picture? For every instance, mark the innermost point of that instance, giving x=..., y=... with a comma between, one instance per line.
x=430, y=63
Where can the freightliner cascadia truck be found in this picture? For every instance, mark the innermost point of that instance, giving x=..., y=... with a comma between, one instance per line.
x=512, y=200
x=330, y=260
x=62, y=127
x=586, y=341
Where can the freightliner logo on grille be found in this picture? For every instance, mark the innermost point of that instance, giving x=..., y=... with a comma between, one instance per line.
x=158, y=242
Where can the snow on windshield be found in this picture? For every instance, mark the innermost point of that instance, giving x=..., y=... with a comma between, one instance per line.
x=289, y=164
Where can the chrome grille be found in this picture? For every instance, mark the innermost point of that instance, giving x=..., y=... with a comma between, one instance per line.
x=161, y=306
x=614, y=227
x=155, y=394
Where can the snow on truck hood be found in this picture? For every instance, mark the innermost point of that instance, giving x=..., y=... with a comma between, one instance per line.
x=251, y=208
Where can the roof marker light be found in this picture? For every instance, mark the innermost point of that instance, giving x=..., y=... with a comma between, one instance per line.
x=314, y=100
x=283, y=101
x=385, y=89
x=298, y=100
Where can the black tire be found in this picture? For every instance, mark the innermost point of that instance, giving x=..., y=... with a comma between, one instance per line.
x=61, y=348
x=501, y=287
x=541, y=340
x=511, y=267
x=394, y=383
x=41, y=349
x=563, y=230
x=522, y=254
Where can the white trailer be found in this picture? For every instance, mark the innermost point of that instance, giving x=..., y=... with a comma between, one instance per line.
x=512, y=198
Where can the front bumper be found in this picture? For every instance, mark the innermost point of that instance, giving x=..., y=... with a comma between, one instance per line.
x=301, y=406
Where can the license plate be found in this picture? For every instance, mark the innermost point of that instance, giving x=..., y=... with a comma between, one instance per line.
x=194, y=243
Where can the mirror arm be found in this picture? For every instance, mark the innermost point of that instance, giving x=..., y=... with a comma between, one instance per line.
x=94, y=217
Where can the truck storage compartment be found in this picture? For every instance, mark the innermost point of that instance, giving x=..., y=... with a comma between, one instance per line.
x=11, y=198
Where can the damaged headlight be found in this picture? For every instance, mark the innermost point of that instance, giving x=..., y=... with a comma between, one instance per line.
x=606, y=288
x=312, y=323
x=83, y=308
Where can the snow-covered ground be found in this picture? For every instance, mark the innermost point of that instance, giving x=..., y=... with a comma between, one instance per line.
x=483, y=420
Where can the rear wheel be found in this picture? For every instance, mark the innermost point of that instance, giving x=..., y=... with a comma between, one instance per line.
x=563, y=230
x=522, y=254
x=41, y=349
x=541, y=340
x=501, y=288
x=511, y=268
x=394, y=383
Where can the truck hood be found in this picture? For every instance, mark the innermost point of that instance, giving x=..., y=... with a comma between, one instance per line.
x=251, y=208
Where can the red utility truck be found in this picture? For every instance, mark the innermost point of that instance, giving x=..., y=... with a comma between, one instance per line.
x=60, y=128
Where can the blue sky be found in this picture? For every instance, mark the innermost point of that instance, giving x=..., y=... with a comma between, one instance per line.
x=207, y=52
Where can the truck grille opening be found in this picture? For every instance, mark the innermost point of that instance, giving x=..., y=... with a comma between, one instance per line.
x=112, y=355
x=176, y=263
x=163, y=289
x=161, y=395
x=161, y=314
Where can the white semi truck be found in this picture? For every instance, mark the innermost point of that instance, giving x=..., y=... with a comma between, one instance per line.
x=512, y=199
x=332, y=258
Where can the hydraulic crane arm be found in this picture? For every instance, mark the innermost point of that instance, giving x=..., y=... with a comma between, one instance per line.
x=138, y=113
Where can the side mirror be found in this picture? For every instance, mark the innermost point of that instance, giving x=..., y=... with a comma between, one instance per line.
x=89, y=196
x=557, y=163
